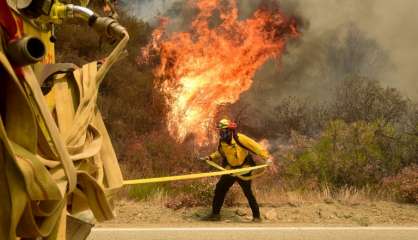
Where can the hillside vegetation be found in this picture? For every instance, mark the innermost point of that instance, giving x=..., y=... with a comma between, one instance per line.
x=366, y=138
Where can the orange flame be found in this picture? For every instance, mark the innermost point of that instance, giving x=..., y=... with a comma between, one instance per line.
x=210, y=66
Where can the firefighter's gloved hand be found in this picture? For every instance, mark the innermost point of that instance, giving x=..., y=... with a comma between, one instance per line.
x=204, y=158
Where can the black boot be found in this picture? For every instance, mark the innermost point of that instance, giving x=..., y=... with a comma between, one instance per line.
x=212, y=217
x=257, y=219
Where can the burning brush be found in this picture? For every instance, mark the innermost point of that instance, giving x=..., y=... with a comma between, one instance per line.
x=208, y=66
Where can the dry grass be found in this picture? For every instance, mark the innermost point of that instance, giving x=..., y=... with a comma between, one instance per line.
x=347, y=195
x=159, y=198
x=166, y=197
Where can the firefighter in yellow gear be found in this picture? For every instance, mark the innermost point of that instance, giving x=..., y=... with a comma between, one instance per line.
x=235, y=150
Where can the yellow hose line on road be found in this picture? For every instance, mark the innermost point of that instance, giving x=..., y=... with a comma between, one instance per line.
x=192, y=176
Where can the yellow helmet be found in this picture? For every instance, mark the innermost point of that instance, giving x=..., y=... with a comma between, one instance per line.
x=226, y=123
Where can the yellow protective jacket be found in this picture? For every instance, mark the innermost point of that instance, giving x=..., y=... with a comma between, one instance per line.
x=235, y=154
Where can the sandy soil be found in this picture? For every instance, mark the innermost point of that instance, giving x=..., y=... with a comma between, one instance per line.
x=131, y=213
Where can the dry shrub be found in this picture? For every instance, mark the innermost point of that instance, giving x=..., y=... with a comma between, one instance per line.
x=361, y=99
x=405, y=184
x=193, y=194
x=344, y=195
x=355, y=99
x=157, y=154
x=293, y=114
x=199, y=193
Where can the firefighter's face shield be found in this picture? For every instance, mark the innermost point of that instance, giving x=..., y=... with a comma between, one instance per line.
x=225, y=134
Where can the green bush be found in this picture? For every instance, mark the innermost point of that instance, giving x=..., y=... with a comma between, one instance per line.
x=356, y=154
x=145, y=191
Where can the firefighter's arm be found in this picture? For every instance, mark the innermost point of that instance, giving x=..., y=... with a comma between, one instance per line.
x=212, y=157
x=255, y=147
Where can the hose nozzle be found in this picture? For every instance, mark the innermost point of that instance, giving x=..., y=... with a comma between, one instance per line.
x=25, y=51
x=110, y=27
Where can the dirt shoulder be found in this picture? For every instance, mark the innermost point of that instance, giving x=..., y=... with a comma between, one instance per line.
x=131, y=213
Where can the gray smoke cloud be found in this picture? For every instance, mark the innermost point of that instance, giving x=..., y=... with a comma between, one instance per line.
x=392, y=25
x=148, y=10
x=373, y=38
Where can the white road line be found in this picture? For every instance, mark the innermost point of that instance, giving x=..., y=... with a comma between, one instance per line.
x=257, y=233
x=256, y=229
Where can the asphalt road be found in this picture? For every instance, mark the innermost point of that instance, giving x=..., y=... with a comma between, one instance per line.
x=256, y=233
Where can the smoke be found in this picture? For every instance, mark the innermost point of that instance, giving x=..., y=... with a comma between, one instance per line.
x=391, y=25
x=148, y=10
x=374, y=39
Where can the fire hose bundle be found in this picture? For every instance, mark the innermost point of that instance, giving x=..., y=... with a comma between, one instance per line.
x=56, y=157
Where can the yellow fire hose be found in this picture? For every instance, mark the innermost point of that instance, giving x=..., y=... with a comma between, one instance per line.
x=245, y=178
x=198, y=175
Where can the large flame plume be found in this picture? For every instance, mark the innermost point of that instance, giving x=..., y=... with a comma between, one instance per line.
x=214, y=62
